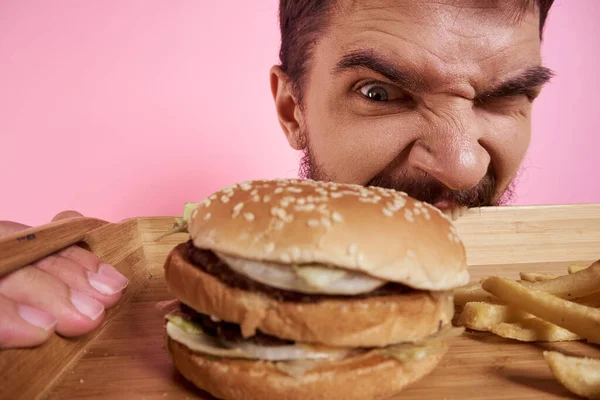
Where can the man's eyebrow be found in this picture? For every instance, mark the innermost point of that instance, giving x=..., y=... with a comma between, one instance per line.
x=526, y=83
x=367, y=59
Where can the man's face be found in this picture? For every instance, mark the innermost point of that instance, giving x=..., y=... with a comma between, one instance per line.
x=429, y=98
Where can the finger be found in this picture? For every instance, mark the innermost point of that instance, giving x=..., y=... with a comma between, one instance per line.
x=104, y=285
x=89, y=260
x=9, y=227
x=66, y=214
x=22, y=325
x=76, y=313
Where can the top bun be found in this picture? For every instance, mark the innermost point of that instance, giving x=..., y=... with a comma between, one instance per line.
x=381, y=232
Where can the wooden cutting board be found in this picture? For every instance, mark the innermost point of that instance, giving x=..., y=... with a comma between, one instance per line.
x=126, y=359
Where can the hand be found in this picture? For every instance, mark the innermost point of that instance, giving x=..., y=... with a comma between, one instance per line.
x=66, y=293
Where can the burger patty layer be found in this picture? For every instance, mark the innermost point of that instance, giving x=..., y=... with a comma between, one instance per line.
x=227, y=331
x=210, y=263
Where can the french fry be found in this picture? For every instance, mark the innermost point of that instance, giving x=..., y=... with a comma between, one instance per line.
x=472, y=293
x=578, y=284
x=577, y=318
x=482, y=316
x=534, y=330
x=580, y=375
x=591, y=300
x=536, y=277
x=575, y=268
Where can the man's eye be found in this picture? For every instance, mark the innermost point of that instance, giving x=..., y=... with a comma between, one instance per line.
x=381, y=92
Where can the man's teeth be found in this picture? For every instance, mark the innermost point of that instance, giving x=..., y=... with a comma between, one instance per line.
x=455, y=213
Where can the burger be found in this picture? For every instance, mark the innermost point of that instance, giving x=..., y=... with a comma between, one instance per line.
x=298, y=289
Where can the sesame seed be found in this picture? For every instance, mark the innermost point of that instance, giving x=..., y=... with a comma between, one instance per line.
x=285, y=258
x=194, y=213
x=366, y=200
x=323, y=209
x=254, y=192
x=336, y=195
x=225, y=199
x=417, y=211
x=301, y=201
x=269, y=247
x=249, y=216
x=305, y=207
x=326, y=222
x=256, y=198
x=278, y=190
x=278, y=225
x=206, y=216
x=352, y=249
x=238, y=207
x=245, y=187
x=278, y=212
x=313, y=223
x=388, y=212
x=266, y=198
x=212, y=197
x=337, y=217
x=294, y=189
x=206, y=202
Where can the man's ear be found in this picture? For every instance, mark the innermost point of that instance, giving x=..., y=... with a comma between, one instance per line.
x=288, y=109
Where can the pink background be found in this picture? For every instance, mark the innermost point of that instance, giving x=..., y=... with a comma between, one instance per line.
x=130, y=108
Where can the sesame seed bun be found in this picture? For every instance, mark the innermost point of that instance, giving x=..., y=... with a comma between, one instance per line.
x=383, y=233
x=359, y=322
x=233, y=379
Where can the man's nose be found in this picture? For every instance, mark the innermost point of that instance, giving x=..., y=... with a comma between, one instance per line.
x=452, y=151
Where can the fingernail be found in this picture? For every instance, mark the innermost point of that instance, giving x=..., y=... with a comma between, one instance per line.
x=86, y=305
x=36, y=317
x=107, y=280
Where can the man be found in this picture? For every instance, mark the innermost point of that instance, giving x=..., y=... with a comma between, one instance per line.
x=429, y=97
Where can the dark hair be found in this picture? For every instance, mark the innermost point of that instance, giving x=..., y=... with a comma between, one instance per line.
x=302, y=21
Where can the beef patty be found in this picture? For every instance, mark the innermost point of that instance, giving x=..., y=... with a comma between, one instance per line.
x=213, y=265
x=227, y=331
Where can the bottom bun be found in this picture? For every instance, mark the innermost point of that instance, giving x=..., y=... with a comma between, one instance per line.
x=365, y=377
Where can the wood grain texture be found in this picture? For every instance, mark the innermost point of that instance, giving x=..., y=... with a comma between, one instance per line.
x=127, y=359
x=26, y=247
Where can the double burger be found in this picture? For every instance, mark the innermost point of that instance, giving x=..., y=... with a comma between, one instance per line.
x=297, y=289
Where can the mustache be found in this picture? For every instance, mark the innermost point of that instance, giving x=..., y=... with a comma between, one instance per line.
x=424, y=187
x=431, y=191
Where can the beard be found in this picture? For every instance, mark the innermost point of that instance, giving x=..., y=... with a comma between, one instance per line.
x=421, y=186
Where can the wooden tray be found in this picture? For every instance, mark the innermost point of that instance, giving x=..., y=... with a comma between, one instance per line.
x=126, y=357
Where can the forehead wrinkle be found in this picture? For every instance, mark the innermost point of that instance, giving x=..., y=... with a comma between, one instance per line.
x=511, y=12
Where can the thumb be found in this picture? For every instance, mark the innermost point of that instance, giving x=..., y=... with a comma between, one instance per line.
x=9, y=227
x=67, y=214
